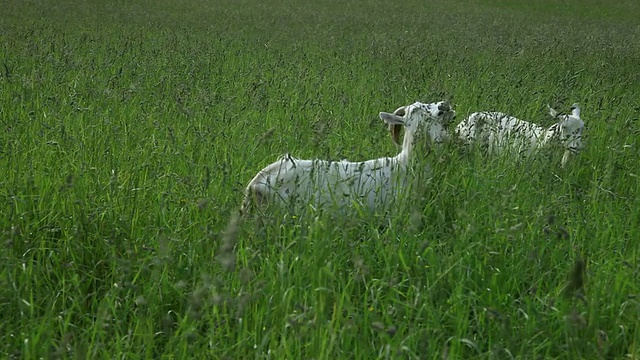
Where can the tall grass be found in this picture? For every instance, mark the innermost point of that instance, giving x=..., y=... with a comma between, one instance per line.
x=129, y=130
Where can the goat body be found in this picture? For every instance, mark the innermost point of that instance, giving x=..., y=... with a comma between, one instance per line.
x=320, y=182
x=499, y=132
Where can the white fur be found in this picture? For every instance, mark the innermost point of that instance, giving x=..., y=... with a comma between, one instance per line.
x=501, y=132
x=372, y=184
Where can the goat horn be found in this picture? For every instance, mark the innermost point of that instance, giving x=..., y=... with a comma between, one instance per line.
x=395, y=133
x=400, y=111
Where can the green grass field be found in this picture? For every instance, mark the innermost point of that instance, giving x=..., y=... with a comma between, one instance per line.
x=129, y=129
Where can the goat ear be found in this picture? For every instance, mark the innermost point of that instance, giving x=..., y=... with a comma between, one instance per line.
x=575, y=110
x=395, y=133
x=552, y=111
x=391, y=119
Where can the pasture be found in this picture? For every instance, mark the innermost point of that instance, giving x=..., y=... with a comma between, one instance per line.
x=128, y=131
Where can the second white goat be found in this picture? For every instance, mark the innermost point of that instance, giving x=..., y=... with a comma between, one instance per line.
x=372, y=184
x=499, y=132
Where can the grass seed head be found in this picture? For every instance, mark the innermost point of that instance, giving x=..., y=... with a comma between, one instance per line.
x=226, y=258
x=576, y=279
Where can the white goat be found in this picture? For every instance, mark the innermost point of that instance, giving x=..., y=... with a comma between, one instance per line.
x=500, y=132
x=372, y=184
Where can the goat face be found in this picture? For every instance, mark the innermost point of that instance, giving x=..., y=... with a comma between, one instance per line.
x=431, y=117
x=571, y=133
x=570, y=129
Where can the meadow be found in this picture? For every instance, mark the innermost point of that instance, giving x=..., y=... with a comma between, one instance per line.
x=129, y=129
